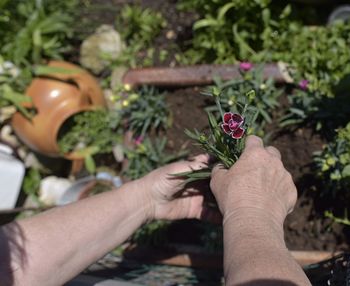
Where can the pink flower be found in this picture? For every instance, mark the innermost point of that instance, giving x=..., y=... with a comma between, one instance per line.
x=303, y=84
x=232, y=125
x=245, y=66
x=138, y=140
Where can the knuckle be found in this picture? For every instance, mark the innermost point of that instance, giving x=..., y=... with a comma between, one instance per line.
x=258, y=154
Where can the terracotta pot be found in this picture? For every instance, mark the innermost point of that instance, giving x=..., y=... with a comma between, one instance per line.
x=56, y=98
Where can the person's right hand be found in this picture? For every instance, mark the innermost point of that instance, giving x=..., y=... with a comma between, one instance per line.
x=257, y=184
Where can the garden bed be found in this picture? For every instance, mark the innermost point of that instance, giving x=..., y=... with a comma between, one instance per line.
x=306, y=228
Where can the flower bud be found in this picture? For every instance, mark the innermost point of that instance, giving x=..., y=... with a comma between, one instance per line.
x=133, y=97
x=127, y=87
x=251, y=95
x=216, y=91
x=202, y=138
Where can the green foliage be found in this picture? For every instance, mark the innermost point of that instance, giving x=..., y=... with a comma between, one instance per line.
x=144, y=110
x=33, y=30
x=138, y=28
x=323, y=114
x=318, y=54
x=94, y=131
x=333, y=167
x=31, y=183
x=29, y=32
x=269, y=31
x=333, y=163
x=148, y=156
x=265, y=99
x=9, y=97
x=232, y=30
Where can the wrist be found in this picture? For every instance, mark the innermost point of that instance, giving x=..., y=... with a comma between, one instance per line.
x=254, y=221
x=249, y=212
x=139, y=196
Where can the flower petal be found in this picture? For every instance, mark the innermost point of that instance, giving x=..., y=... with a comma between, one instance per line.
x=226, y=128
x=234, y=125
x=238, y=133
x=227, y=117
x=238, y=118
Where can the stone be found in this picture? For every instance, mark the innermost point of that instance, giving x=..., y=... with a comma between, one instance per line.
x=52, y=189
x=7, y=135
x=100, y=48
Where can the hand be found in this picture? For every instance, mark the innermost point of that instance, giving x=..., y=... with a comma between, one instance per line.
x=170, y=198
x=257, y=184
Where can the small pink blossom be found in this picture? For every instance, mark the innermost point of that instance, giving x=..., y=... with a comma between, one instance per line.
x=138, y=140
x=232, y=125
x=245, y=66
x=303, y=84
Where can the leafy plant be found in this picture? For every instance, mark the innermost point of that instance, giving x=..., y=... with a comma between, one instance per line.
x=31, y=183
x=10, y=97
x=225, y=32
x=30, y=31
x=144, y=109
x=333, y=163
x=323, y=114
x=333, y=166
x=147, y=156
x=35, y=32
x=317, y=54
x=139, y=28
x=89, y=133
x=265, y=99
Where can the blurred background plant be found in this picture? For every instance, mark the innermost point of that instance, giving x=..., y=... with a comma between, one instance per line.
x=33, y=30
x=323, y=114
x=333, y=162
x=147, y=156
x=224, y=33
x=144, y=109
x=318, y=54
x=139, y=27
x=90, y=133
x=333, y=168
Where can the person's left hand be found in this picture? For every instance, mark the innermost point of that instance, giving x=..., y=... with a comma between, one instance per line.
x=170, y=199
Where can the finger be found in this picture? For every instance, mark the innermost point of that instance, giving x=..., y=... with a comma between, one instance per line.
x=218, y=171
x=203, y=158
x=218, y=175
x=253, y=142
x=199, y=162
x=273, y=151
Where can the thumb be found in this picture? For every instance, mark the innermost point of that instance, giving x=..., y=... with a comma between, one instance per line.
x=217, y=177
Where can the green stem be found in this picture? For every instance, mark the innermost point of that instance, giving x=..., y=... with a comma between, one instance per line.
x=218, y=104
